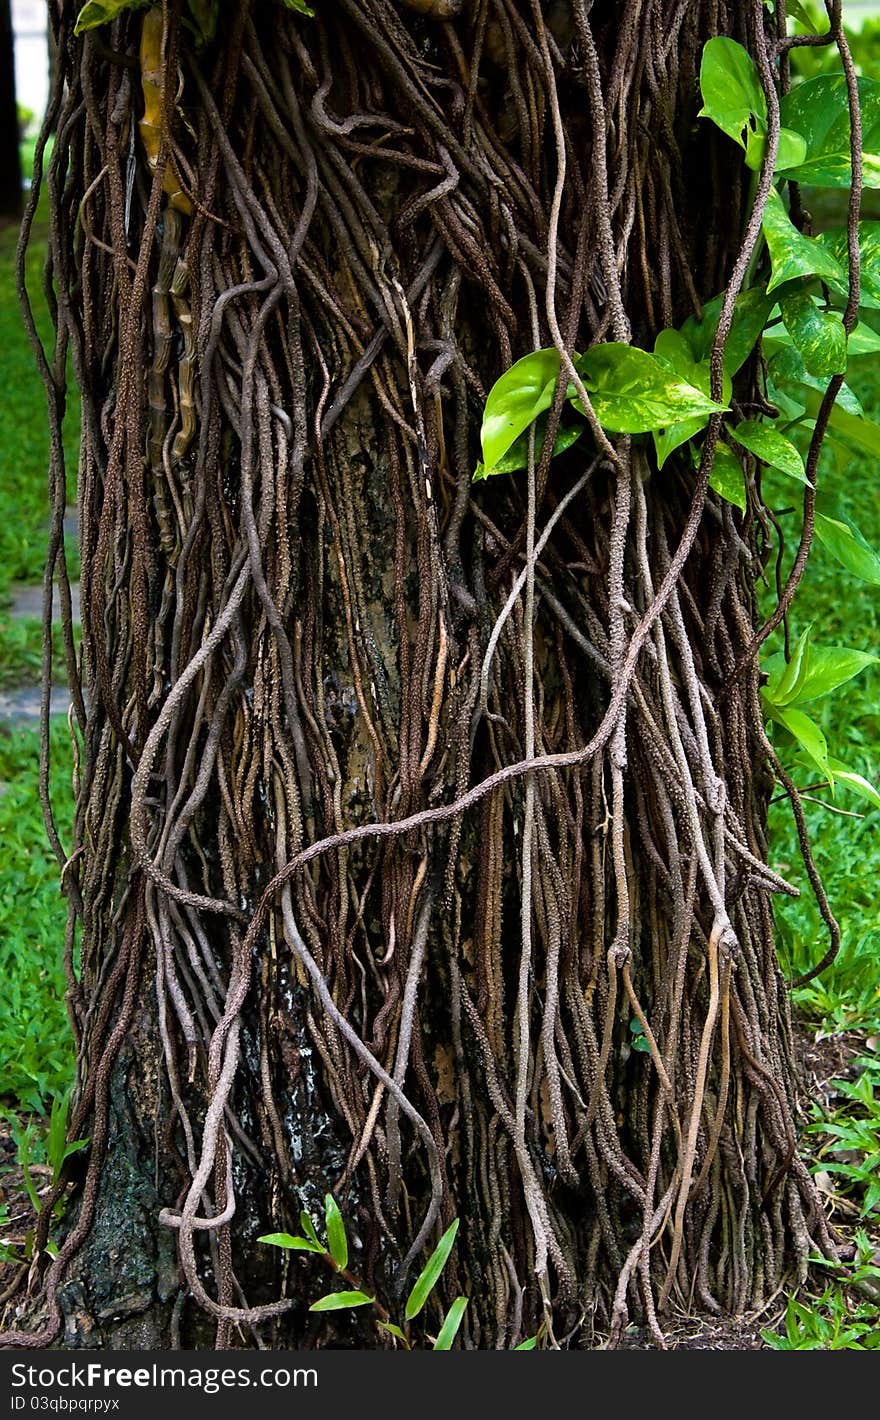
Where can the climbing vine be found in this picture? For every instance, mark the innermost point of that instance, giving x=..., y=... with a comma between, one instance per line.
x=420, y=850
x=791, y=316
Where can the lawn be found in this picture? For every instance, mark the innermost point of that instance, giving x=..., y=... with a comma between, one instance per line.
x=35, y=1040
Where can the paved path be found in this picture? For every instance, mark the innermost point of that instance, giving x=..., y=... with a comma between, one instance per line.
x=20, y=708
x=27, y=601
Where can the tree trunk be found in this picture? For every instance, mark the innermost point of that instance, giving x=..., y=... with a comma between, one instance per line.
x=336, y=935
x=10, y=164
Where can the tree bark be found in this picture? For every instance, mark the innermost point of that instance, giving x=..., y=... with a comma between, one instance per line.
x=286, y=301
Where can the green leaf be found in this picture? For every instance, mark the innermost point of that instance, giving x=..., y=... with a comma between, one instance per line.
x=791, y=253
x=300, y=6
x=673, y=349
x=517, y=456
x=294, y=1244
x=734, y=99
x=393, y=1330
x=101, y=12
x=818, y=334
x=768, y=445
x=336, y=1239
x=790, y=376
x=527, y=1345
x=688, y=350
x=671, y=438
x=633, y=392
x=807, y=734
x=75, y=1146
x=57, y=1135
x=845, y=542
x=751, y=312
x=835, y=241
x=204, y=14
x=818, y=110
x=825, y=668
x=308, y=1228
x=856, y=782
x=515, y=401
x=732, y=94
x=428, y=1278
x=341, y=1301
x=727, y=478
x=786, y=677
x=863, y=340
x=797, y=11
x=791, y=150
x=862, y=432
x=451, y=1323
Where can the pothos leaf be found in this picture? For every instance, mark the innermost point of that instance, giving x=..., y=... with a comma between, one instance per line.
x=673, y=349
x=771, y=447
x=674, y=435
x=727, y=478
x=732, y=94
x=857, y=782
x=786, y=677
x=844, y=541
x=751, y=312
x=791, y=253
x=101, y=12
x=797, y=11
x=835, y=241
x=515, y=401
x=789, y=375
x=734, y=99
x=818, y=110
x=688, y=350
x=806, y=732
x=517, y=456
x=863, y=340
x=862, y=432
x=822, y=670
x=633, y=392
x=818, y=334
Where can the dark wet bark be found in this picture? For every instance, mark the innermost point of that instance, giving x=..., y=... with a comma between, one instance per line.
x=10, y=165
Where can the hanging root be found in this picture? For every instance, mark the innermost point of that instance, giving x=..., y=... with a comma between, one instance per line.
x=423, y=825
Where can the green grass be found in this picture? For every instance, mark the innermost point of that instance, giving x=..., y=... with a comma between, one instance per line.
x=24, y=438
x=843, y=1136
x=21, y=641
x=35, y=1040
x=842, y=611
